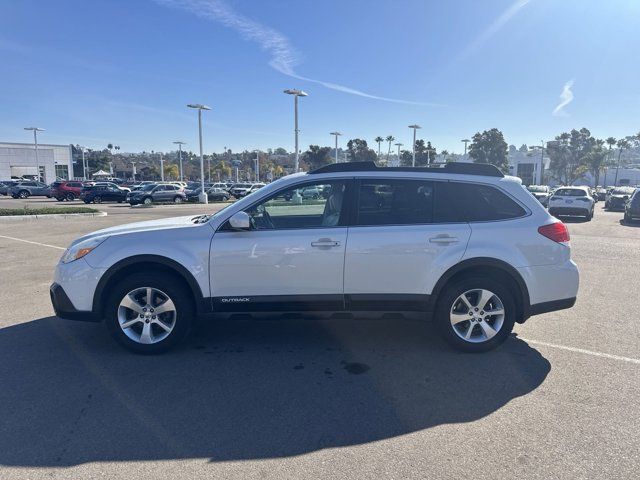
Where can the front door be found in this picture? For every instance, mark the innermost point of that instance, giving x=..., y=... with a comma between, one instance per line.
x=396, y=250
x=292, y=258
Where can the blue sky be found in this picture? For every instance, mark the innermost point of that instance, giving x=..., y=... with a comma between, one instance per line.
x=121, y=71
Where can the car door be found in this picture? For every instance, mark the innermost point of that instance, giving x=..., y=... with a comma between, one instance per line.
x=396, y=251
x=159, y=193
x=291, y=259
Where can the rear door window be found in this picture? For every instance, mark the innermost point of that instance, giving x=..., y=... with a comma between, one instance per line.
x=394, y=202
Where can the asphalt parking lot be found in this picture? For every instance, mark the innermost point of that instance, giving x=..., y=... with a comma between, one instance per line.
x=383, y=398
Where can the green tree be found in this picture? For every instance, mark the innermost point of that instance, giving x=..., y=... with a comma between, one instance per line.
x=490, y=147
x=359, y=151
x=568, y=155
x=596, y=159
x=623, y=144
x=316, y=156
x=378, y=140
x=171, y=171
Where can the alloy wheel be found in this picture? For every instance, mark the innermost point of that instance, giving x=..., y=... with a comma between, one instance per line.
x=147, y=315
x=477, y=315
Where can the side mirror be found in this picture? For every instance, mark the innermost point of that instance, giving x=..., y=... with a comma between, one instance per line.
x=240, y=221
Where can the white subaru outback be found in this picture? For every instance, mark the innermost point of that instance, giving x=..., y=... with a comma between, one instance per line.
x=459, y=243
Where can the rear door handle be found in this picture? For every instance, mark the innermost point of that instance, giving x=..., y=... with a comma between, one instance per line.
x=443, y=239
x=325, y=242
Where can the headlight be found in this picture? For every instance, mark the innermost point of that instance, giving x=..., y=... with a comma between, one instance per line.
x=80, y=249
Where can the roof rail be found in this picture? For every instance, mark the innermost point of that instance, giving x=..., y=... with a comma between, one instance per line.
x=483, y=169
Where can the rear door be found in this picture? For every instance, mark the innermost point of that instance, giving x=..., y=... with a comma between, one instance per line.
x=396, y=251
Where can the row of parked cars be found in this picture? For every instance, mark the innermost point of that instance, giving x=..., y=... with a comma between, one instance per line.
x=580, y=200
x=147, y=192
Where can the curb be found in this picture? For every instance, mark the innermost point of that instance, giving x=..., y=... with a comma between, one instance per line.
x=52, y=215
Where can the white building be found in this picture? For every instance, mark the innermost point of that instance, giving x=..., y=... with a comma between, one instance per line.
x=18, y=159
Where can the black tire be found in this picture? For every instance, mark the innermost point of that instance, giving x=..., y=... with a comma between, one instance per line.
x=97, y=199
x=168, y=284
x=147, y=200
x=70, y=197
x=447, y=300
x=87, y=202
x=177, y=199
x=60, y=199
x=23, y=194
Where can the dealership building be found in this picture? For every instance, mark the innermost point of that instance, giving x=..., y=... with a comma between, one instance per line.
x=18, y=159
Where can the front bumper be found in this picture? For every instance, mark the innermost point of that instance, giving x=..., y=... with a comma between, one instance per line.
x=65, y=309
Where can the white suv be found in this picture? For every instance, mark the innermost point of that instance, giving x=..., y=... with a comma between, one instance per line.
x=460, y=243
x=572, y=201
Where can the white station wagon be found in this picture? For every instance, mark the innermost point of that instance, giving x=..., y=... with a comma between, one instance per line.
x=459, y=243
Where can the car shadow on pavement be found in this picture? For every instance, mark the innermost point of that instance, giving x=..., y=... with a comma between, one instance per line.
x=241, y=390
x=634, y=224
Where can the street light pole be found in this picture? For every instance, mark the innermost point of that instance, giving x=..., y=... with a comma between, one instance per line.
x=336, y=134
x=84, y=167
x=465, y=141
x=398, y=145
x=179, y=143
x=161, y=168
x=203, y=194
x=35, y=131
x=296, y=94
x=541, y=162
x=415, y=127
x=257, y=166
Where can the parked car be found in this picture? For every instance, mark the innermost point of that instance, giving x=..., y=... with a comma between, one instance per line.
x=601, y=193
x=632, y=207
x=541, y=192
x=157, y=193
x=243, y=189
x=5, y=185
x=618, y=197
x=217, y=194
x=461, y=244
x=66, y=190
x=112, y=184
x=572, y=201
x=30, y=188
x=103, y=193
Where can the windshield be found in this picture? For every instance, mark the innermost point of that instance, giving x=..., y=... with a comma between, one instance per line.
x=622, y=191
x=538, y=189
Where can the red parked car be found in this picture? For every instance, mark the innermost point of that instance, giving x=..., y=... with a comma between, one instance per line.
x=66, y=190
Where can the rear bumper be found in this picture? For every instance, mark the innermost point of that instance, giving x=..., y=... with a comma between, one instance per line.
x=65, y=309
x=569, y=210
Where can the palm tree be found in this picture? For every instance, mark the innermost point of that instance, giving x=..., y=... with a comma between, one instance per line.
x=378, y=140
x=390, y=138
x=622, y=144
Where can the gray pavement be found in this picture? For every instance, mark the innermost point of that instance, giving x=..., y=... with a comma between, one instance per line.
x=320, y=399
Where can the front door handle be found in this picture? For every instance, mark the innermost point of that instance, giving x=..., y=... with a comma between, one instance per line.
x=443, y=239
x=325, y=242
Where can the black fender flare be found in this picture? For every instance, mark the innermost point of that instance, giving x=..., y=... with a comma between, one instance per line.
x=202, y=304
x=484, y=262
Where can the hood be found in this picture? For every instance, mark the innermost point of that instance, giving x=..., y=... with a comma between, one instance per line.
x=161, y=224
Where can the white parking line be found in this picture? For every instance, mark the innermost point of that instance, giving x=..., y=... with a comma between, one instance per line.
x=582, y=350
x=34, y=243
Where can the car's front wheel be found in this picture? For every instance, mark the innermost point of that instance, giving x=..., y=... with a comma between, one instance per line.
x=149, y=313
x=148, y=201
x=476, y=314
x=177, y=199
x=23, y=194
x=70, y=197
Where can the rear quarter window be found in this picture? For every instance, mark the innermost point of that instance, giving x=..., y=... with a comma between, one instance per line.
x=471, y=202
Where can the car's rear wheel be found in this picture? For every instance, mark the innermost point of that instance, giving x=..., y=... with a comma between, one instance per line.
x=147, y=201
x=70, y=197
x=97, y=199
x=177, y=199
x=23, y=194
x=475, y=314
x=149, y=313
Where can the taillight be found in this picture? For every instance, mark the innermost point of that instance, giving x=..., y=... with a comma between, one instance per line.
x=555, y=231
